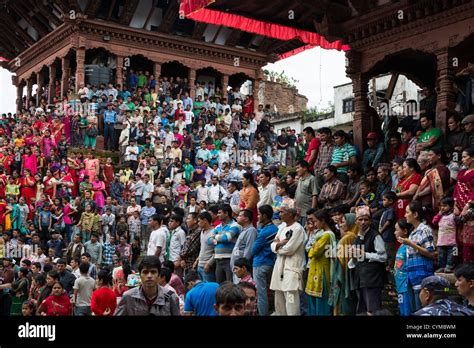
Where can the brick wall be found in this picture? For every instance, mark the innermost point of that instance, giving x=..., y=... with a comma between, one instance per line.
x=274, y=93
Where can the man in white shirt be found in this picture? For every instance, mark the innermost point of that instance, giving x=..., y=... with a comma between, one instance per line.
x=252, y=128
x=148, y=188
x=223, y=156
x=229, y=141
x=216, y=192
x=202, y=192
x=177, y=239
x=131, y=154
x=137, y=187
x=210, y=127
x=158, y=237
x=266, y=190
x=188, y=118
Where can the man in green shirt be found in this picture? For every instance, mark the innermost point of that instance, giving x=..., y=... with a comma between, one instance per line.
x=141, y=79
x=431, y=137
x=188, y=170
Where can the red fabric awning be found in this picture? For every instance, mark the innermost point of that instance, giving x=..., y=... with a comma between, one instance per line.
x=3, y=59
x=195, y=10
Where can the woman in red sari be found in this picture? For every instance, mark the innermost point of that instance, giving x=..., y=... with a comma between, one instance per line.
x=407, y=185
x=108, y=171
x=73, y=164
x=3, y=183
x=463, y=196
x=28, y=186
x=57, y=126
x=48, y=183
x=248, y=105
x=57, y=304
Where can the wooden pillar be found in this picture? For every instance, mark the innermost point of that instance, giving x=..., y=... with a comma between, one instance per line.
x=361, y=123
x=119, y=71
x=446, y=96
x=256, y=89
x=65, y=67
x=225, y=84
x=19, y=95
x=80, y=70
x=192, y=82
x=157, y=70
x=52, y=82
x=29, y=90
x=39, y=83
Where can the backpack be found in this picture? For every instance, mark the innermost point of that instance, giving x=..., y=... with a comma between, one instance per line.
x=92, y=132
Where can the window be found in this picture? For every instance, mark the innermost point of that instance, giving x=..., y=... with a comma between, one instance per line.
x=347, y=106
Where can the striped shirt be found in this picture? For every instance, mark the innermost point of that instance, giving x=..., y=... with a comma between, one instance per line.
x=226, y=236
x=343, y=154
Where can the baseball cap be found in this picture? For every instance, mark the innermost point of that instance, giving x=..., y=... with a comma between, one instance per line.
x=435, y=284
x=372, y=135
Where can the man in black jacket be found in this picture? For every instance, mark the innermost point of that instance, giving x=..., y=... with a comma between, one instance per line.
x=66, y=278
x=368, y=261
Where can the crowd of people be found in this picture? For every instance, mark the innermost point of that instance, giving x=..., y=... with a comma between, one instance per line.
x=210, y=212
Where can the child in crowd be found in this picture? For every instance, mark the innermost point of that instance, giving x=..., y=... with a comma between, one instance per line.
x=387, y=226
x=134, y=226
x=230, y=300
x=446, y=221
x=242, y=268
x=402, y=230
x=366, y=195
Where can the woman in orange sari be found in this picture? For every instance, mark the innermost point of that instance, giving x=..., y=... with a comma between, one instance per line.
x=407, y=185
x=249, y=196
x=435, y=182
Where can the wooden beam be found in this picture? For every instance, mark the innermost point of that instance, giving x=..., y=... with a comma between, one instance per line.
x=391, y=86
x=216, y=35
x=74, y=5
x=265, y=44
x=111, y=9
x=198, y=31
x=92, y=7
x=169, y=17
x=15, y=42
x=234, y=38
x=153, y=7
x=62, y=5
x=46, y=12
x=19, y=30
x=128, y=11
x=22, y=11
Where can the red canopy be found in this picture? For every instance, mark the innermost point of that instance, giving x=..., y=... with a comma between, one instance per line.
x=3, y=59
x=195, y=10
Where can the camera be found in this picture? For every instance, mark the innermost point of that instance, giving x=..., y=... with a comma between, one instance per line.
x=289, y=234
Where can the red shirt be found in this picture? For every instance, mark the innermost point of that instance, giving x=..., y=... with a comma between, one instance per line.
x=313, y=145
x=102, y=299
x=400, y=151
x=57, y=305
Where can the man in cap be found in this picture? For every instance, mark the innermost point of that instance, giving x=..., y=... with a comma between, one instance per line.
x=433, y=297
x=368, y=260
x=373, y=155
x=468, y=125
x=287, y=273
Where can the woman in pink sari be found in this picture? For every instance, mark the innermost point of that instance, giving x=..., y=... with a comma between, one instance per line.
x=29, y=161
x=48, y=143
x=92, y=166
x=463, y=205
x=98, y=186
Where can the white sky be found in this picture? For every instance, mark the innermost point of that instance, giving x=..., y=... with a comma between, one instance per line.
x=305, y=67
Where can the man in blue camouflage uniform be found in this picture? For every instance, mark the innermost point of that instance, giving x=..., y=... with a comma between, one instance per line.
x=434, y=290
